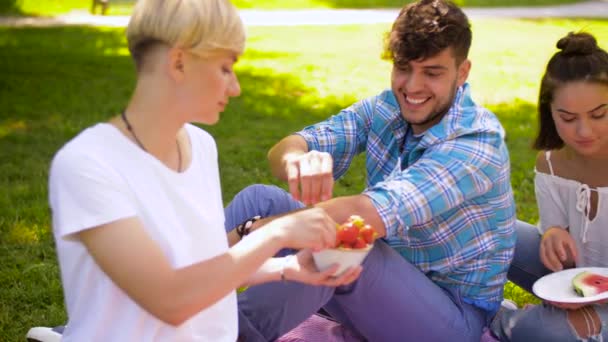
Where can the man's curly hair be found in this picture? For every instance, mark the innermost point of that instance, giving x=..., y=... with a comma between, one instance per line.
x=425, y=28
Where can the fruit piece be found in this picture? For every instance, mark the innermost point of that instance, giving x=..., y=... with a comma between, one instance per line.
x=368, y=233
x=588, y=284
x=356, y=220
x=354, y=229
x=359, y=243
x=338, y=241
x=348, y=233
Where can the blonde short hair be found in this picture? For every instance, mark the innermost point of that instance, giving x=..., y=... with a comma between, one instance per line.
x=205, y=27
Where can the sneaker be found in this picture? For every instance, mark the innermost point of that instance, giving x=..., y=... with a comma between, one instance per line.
x=44, y=334
x=508, y=304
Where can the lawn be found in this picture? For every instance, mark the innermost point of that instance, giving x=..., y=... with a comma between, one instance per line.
x=123, y=7
x=57, y=81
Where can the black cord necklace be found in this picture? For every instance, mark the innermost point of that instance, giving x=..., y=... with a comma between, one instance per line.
x=123, y=115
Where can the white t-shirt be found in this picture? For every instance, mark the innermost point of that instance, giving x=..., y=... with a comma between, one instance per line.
x=563, y=202
x=100, y=176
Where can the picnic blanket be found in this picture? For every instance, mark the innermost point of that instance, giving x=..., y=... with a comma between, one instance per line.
x=317, y=328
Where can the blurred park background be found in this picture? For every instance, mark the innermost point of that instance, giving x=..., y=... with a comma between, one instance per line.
x=57, y=80
x=123, y=7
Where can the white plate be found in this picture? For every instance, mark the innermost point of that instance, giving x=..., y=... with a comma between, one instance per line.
x=557, y=287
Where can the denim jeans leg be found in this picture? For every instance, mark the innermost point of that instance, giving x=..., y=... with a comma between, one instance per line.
x=268, y=311
x=258, y=199
x=271, y=310
x=394, y=301
x=526, y=266
x=540, y=323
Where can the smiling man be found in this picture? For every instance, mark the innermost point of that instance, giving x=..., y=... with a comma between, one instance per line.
x=438, y=192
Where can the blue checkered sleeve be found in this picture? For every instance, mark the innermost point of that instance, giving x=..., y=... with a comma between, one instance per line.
x=343, y=135
x=446, y=175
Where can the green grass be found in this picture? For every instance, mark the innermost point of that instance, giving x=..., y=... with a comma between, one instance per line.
x=57, y=81
x=123, y=7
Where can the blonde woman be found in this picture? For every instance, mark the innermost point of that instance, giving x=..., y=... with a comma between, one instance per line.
x=136, y=201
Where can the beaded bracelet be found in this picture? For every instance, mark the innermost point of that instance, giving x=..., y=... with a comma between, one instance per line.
x=245, y=227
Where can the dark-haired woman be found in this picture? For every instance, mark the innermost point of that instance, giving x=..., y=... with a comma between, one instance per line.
x=571, y=184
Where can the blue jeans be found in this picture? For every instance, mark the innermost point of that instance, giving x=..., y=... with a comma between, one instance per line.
x=391, y=301
x=541, y=322
x=526, y=266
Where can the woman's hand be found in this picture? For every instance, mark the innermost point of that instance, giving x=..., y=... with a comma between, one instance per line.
x=311, y=228
x=301, y=268
x=557, y=249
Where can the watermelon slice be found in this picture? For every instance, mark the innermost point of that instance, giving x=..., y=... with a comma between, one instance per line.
x=589, y=284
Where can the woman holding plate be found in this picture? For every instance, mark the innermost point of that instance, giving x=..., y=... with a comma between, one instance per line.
x=571, y=185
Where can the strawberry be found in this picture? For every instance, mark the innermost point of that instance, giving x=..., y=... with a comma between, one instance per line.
x=368, y=233
x=359, y=243
x=338, y=241
x=347, y=233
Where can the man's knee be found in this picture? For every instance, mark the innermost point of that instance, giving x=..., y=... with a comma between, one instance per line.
x=261, y=191
x=271, y=199
x=254, y=195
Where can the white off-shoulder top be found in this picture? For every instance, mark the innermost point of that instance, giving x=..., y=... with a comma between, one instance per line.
x=564, y=203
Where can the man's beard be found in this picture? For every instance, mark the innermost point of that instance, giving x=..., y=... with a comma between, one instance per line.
x=435, y=114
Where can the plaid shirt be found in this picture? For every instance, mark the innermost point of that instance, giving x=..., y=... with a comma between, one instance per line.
x=445, y=196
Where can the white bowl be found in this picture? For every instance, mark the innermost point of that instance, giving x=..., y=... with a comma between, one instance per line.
x=345, y=257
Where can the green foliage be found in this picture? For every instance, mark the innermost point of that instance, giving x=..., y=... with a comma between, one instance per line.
x=57, y=81
x=9, y=6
